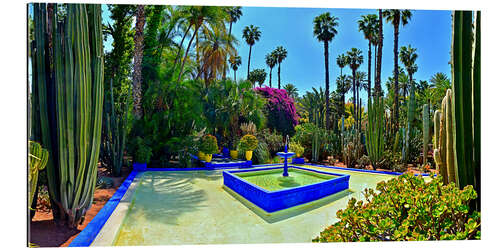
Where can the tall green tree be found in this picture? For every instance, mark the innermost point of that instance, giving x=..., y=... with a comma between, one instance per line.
x=368, y=24
x=355, y=60
x=396, y=17
x=292, y=90
x=216, y=46
x=281, y=54
x=257, y=76
x=271, y=62
x=152, y=55
x=380, y=44
x=325, y=31
x=140, y=20
x=342, y=61
x=198, y=16
x=251, y=34
x=408, y=56
x=234, y=14
x=235, y=62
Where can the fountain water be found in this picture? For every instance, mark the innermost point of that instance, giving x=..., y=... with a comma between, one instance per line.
x=286, y=155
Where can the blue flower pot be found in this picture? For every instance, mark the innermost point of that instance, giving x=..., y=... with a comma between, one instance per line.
x=140, y=166
x=225, y=152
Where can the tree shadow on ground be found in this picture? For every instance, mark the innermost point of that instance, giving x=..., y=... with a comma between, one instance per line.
x=163, y=197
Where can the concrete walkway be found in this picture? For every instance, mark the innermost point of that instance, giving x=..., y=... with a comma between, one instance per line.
x=191, y=207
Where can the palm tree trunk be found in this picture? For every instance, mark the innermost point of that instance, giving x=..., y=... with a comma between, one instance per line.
x=380, y=44
x=354, y=95
x=327, y=87
x=139, y=48
x=234, y=75
x=270, y=77
x=225, y=58
x=279, y=77
x=180, y=47
x=248, y=67
x=396, y=72
x=369, y=68
x=187, y=52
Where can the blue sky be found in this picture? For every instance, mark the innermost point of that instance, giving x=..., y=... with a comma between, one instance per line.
x=429, y=31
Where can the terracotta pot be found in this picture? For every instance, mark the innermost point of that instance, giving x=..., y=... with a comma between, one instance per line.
x=234, y=154
x=248, y=155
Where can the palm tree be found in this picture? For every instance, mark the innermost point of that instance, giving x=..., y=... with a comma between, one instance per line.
x=271, y=62
x=215, y=48
x=396, y=17
x=369, y=26
x=138, y=52
x=291, y=90
x=281, y=54
x=342, y=61
x=324, y=30
x=439, y=84
x=199, y=16
x=355, y=60
x=380, y=44
x=234, y=14
x=251, y=34
x=408, y=57
x=257, y=76
x=235, y=62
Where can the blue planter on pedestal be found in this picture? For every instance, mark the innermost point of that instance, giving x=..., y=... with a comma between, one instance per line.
x=225, y=152
x=140, y=166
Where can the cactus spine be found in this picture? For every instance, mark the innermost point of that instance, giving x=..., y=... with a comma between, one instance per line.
x=68, y=88
x=425, y=128
x=375, y=129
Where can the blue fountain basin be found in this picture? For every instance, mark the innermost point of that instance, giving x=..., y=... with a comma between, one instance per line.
x=272, y=201
x=285, y=154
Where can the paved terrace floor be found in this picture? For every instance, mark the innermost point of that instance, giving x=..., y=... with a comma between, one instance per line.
x=192, y=207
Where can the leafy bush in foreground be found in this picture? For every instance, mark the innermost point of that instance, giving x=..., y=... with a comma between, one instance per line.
x=407, y=208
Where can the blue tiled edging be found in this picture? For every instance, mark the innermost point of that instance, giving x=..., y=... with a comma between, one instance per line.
x=363, y=170
x=88, y=234
x=272, y=201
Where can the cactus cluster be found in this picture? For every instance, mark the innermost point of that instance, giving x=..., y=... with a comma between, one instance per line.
x=444, y=151
x=409, y=125
x=425, y=131
x=375, y=130
x=68, y=89
x=114, y=134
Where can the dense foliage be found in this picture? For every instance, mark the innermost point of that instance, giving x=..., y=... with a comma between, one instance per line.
x=407, y=208
x=209, y=145
x=248, y=143
x=280, y=110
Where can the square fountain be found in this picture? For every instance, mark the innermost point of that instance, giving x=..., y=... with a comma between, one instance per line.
x=268, y=189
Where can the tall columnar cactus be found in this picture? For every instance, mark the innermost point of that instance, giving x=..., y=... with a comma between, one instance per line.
x=68, y=87
x=37, y=159
x=425, y=131
x=409, y=124
x=375, y=129
x=315, y=144
x=444, y=149
x=114, y=134
x=466, y=82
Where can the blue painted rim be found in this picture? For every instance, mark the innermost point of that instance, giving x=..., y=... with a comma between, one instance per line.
x=364, y=170
x=88, y=234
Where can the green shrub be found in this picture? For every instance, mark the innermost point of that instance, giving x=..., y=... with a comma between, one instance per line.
x=142, y=152
x=209, y=145
x=273, y=140
x=407, y=208
x=261, y=154
x=296, y=148
x=248, y=143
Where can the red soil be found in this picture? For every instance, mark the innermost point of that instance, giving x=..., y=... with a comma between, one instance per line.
x=45, y=233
